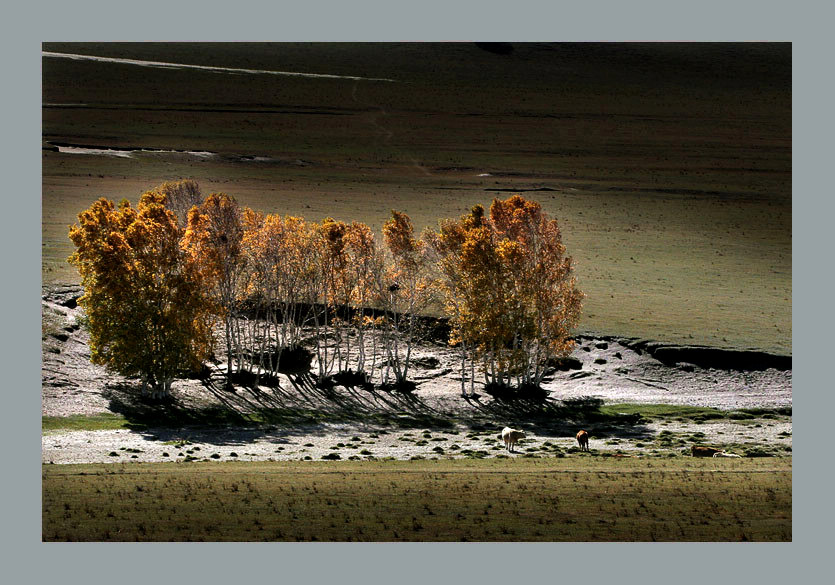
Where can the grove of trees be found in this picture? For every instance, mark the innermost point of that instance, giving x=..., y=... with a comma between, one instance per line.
x=322, y=302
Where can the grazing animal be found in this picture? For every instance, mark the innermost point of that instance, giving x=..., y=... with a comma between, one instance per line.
x=723, y=454
x=510, y=436
x=698, y=451
x=583, y=440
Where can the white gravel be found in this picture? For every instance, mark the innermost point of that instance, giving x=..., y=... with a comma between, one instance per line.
x=71, y=385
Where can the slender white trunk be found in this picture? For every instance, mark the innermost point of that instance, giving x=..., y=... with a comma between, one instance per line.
x=228, y=348
x=463, y=387
x=361, y=343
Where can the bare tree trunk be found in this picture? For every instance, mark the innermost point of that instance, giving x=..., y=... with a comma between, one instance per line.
x=409, y=343
x=361, y=342
x=463, y=387
x=374, y=339
x=228, y=349
x=239, y=348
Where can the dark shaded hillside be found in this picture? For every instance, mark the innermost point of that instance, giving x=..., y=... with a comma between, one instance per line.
x=668, y=165
x=532, y=77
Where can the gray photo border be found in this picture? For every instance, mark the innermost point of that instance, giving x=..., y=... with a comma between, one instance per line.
x=364, y=20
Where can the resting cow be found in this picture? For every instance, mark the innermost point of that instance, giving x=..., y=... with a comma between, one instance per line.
x=698, y=451
x=723, y=454
x=583, y=440
x=510, y=436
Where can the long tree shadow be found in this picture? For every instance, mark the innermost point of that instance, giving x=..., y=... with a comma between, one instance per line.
x=301, y=406
x=552, y=417
x=304, y=402
x=143, y=413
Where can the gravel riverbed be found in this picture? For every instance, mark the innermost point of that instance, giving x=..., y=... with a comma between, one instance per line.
x=433, y=421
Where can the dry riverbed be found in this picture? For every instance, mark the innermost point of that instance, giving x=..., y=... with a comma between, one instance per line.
x=435, y=421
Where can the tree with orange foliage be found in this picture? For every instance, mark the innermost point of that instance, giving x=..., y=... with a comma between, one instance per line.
x=510, y=290
x=338, y=284
x=283, y=255
x=213, y=239
x=542, y=278
x=363, y=269
x=143, y=295
x=405, y=291
x=458, y=286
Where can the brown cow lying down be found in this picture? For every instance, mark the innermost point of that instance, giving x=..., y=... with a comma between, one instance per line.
x=698, y=451
x=583, y=440
x=510, y=436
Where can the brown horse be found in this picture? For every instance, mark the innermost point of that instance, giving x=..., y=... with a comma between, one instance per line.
x=583, y=440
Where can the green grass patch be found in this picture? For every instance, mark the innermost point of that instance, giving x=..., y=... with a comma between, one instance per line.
x=694, y=413
x=768, y=412
x=653, y=411
x=96, y=422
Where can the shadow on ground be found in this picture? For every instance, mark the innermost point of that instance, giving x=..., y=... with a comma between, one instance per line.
x=560, y=418
x=301, y=406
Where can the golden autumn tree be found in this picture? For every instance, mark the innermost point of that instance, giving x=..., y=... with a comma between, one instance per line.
x=540, y=275
x=264, y=244
x=213, y=239
x=405, y=290
x=363, y=267
x=510, y=289
x=283, y=284
x=463, y=254
x=337, y=281
x=143, y=295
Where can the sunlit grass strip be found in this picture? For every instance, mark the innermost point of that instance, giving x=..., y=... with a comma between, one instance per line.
x=695, y=412
x=81, y=422
x=661, y=410
x=490, y=500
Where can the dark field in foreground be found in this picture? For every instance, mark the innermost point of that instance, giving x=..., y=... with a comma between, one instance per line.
x=570, y=499
x=667, y=165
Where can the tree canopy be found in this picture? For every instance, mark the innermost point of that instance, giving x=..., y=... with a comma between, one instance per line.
x=146, y=302
x=510, y=291
x=154, y=287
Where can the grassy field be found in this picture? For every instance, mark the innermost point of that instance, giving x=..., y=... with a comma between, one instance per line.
x=668, y=166
x=570, y=499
